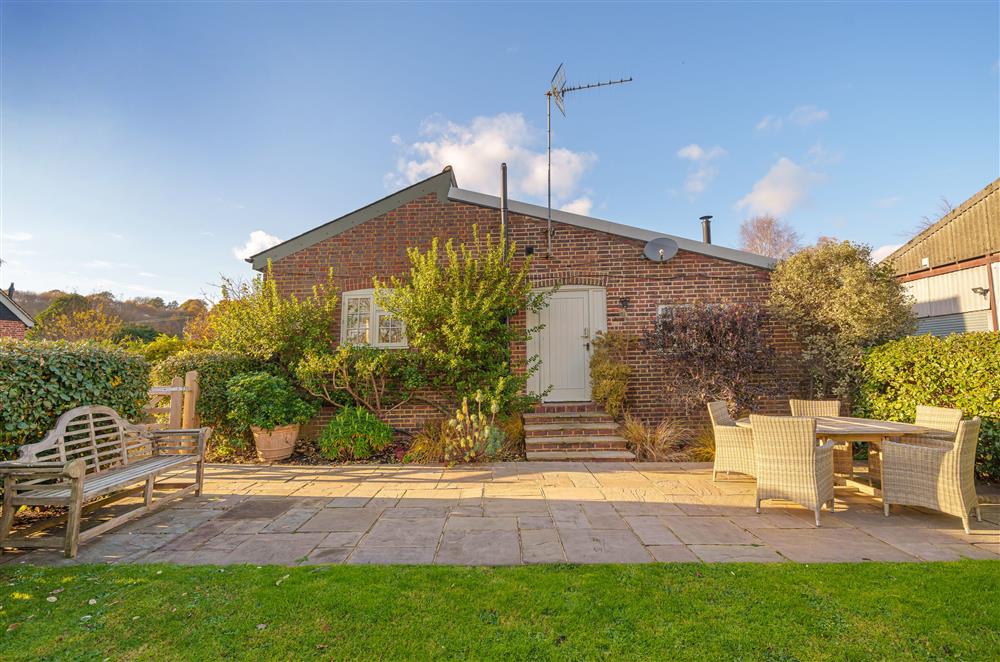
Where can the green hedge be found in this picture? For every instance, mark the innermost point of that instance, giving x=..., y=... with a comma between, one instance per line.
x=215, y=368
x=41, y=380
x=960, y=370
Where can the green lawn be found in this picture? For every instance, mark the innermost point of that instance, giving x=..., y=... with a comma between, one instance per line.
x=664, y=612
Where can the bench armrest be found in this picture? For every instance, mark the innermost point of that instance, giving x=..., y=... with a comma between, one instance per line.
x=71, y=469
x=202, y=435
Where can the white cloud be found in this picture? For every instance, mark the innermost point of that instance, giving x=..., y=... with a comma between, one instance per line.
x=888, y=201
x=258, y=241
x=799, y=116
x=98, y=264
x=475, y=150
x=581, y=205
x=147, y=274
x=115, y=235
x=784, y=187
x=883, y=252
x=17, y=236
x=702, y=172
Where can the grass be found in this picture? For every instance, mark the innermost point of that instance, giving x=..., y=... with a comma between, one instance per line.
x=675, y=612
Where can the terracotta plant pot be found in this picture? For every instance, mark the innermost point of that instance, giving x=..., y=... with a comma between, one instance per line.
x=276, y=444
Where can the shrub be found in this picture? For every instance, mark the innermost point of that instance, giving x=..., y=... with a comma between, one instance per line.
x=380, y=380
x=654, y=444
x=474, y=435
x=265, y=401
x=837, y=301
x=354, y=433
x=135, y=332
x=721, y=352
x=215, y=369
x=256, y=320
x=609, y=372
x=41, y=380
x=161, y=347
x=456, y=309
x=75, y=325
x=960, y=370
x=702, y=448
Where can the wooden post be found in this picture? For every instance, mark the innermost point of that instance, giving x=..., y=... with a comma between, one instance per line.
x=8, y=510
x=74, y=472
x=190, y=416
x=176, y=404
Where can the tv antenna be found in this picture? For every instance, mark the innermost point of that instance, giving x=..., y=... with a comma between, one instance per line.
x=557, y=91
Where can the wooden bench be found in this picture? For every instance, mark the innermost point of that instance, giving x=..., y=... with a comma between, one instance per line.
x=95, y=454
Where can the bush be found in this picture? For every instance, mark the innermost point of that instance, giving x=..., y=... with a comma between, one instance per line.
x=721, y=352
x=609, y=373
x=429, y=444
x=41, y=380
x=837, y=301
x=254, y=319
x=135, y=332
x=265, y=401
x=379, y=380
x=960, y=370
x=354, y=433
x=474, y=434
x=456, y=308
x=215, y=369
x=161, y=347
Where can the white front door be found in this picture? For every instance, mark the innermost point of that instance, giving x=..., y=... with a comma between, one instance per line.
x=571, y=320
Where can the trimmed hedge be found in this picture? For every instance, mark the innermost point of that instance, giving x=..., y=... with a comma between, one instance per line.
x=41, y=380
x=960, y=370
x=215, y=369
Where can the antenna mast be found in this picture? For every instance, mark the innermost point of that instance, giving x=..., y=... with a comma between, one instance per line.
x=558, y=90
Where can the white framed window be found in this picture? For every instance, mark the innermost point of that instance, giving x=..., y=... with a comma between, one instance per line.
x=363, y=322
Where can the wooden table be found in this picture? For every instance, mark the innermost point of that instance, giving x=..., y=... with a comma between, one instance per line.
x=865, y=430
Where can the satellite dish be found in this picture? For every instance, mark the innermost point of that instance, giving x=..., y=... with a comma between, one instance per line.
x=660, y=249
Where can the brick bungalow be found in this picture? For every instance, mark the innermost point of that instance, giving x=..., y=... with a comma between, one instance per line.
x=605, y=283
x=14, y=321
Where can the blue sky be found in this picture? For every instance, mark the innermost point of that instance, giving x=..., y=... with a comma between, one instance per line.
x=142, y=143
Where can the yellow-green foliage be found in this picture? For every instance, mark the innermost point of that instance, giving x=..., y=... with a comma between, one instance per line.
x=702, y=448
x=609, y=373
x=474, y=436
x=429, y=444
x=654, y=444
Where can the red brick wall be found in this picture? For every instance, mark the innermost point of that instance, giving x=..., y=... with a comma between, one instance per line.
x=580, y=256
x=12, y=329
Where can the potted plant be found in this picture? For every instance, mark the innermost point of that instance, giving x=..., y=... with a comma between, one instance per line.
x=269, y=405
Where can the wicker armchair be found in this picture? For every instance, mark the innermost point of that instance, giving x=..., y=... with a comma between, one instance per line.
x=933, y=473
x=843, y=453
x=733, y=444
x=790, y=464
x=939, y=418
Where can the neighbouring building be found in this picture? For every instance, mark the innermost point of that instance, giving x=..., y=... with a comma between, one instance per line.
x=605, y=283
x=14, y=321
x=952, y=268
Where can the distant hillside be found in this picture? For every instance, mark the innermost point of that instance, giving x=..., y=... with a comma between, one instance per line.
x=165, y=316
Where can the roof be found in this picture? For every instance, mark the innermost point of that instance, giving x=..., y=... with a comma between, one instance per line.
x=970, y=231
x=19, y=313
x=446, y=188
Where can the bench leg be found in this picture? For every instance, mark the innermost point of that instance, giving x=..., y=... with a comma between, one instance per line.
x=199, y=476
x=7, y=519
x=73, y=516
x=148, y=493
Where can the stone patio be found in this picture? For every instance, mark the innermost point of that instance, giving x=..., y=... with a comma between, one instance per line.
x=514, y=513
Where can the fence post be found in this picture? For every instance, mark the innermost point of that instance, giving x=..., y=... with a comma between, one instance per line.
x=190, y=400
x=176, y=403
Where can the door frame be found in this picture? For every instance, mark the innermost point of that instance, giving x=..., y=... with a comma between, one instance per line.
x=597, y=304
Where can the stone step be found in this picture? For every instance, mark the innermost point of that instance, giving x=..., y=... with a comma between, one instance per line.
x=565, y=407
x=545, y=418
x=581, y=456
x=577, y=439
x=569, y=429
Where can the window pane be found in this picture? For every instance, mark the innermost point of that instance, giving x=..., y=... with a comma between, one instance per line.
x=390, y=330
x=358, y=320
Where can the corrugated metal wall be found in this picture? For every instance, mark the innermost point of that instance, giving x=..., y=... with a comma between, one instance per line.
x=943, y=325
x=970, y=231
x=948, y=294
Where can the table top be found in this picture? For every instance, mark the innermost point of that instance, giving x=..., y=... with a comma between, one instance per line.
x=833, y=426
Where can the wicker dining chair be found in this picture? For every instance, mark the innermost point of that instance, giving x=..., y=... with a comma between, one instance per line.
x=933, y=473
x=843, y=453
x=733, y=444
x=942, y=421
x=790, y=464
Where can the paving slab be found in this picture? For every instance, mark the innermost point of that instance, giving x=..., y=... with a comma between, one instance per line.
x=672, y=554
x=479, y=547
x=541, y=546
x=257, y=508
x=392, y=555
x=415, y=532
x=736, y=554
x=708, y=531
x=601, y=546
x=830, y=545
x=341, y=519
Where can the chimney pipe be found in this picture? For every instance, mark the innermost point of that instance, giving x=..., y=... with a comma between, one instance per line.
x=706, y=229
x=10, y=292
x=504, y=233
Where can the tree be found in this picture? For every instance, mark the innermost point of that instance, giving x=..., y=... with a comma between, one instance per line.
x=86, y=324
x=721, y=352
x=837, y=302
x=457, y=308
x=142, y=333
x=766, y=235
